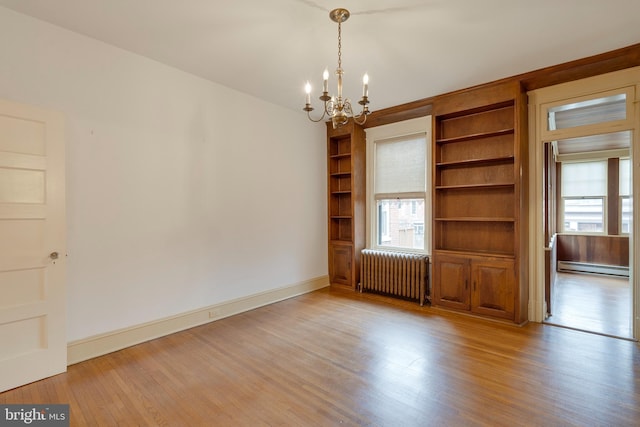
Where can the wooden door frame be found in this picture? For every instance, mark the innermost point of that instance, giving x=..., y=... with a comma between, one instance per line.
x=610, y=81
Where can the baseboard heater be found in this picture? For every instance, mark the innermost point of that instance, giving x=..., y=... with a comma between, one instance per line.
x=583, y=267
x=401, y=275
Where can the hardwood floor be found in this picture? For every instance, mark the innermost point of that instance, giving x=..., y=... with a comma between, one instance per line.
x=594, y=303
x=336, y=357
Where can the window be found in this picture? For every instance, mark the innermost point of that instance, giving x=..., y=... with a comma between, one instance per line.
x=625, y=196
x=592, y=111
x=397, y=159
x=397, y=227
x=584, y=190
x=383, y=223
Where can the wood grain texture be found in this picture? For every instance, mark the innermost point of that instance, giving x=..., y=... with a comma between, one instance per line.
x=592, y=302
x=335, y=357
x=606, y=62
x=606, y=250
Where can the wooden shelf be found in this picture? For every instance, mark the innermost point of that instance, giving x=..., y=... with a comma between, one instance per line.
x=479, y=135
x=339, y=156
x=484, y=254
x=474, y=162
x=341, y=192
x=340, y=173
x=465, y=252
x=475, y=219
x=472, y=186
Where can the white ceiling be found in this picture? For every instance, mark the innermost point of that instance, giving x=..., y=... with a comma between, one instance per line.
x=411, y=49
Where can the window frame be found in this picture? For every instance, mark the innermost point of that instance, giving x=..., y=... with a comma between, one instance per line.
x=604, y=214
x=561, y=208
x=591, y=129
x=384, y=133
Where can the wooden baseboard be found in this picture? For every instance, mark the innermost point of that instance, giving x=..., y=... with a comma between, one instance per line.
x=98, y=345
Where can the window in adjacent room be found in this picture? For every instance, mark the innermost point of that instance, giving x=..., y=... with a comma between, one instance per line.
x=584, y=190
x=625, y=196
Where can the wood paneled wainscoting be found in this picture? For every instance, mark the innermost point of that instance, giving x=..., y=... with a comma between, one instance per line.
x=336, y=357
x=595, y=250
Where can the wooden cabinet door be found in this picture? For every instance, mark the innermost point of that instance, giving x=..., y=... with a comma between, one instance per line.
x=493, y=288
x=451, y=287
x=340, y=262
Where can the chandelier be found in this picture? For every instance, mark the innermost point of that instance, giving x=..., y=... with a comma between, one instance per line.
x=335, y=107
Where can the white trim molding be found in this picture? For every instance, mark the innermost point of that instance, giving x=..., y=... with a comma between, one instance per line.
x=98, y=345
x=624, y=81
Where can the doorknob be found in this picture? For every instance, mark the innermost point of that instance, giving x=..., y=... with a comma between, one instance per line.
x=53, y=255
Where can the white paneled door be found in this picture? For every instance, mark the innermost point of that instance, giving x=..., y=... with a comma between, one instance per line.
x=32, y=245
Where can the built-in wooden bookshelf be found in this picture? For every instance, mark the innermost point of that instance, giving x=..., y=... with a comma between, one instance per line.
x=346, y=202
x=476, y=202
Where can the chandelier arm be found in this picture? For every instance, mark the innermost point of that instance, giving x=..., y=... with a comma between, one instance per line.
x=364, y=115
x=315, y=120
x=328, y=111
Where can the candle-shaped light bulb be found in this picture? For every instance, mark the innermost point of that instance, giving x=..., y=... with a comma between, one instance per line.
x=325, y=79
x=307, y=90
x=365, y=85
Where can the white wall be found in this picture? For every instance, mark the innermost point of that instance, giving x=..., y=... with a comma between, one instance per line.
x=181, y=193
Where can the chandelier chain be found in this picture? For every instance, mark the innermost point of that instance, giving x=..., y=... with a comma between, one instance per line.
x=339, y=45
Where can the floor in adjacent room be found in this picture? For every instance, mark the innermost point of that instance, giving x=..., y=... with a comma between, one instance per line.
x=593, y=303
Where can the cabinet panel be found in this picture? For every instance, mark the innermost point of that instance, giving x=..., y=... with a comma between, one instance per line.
x=340, y=183
x=493, y=288
x=494, y=146
x=340, y=164
x=451, y=287
x=483, y=120
x=481, y=174
x=341, y=229
x=481, y=237
x=483, y=286
x=340, y=204
x=340, y=145
x=487, y=202
x=340, y=262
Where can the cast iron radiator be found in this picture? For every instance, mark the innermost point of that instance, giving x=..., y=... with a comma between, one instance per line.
x=402, y=275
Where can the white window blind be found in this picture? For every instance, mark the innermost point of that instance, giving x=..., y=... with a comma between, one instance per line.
x=625, y=177
x=584, y=179
x=400, y=165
